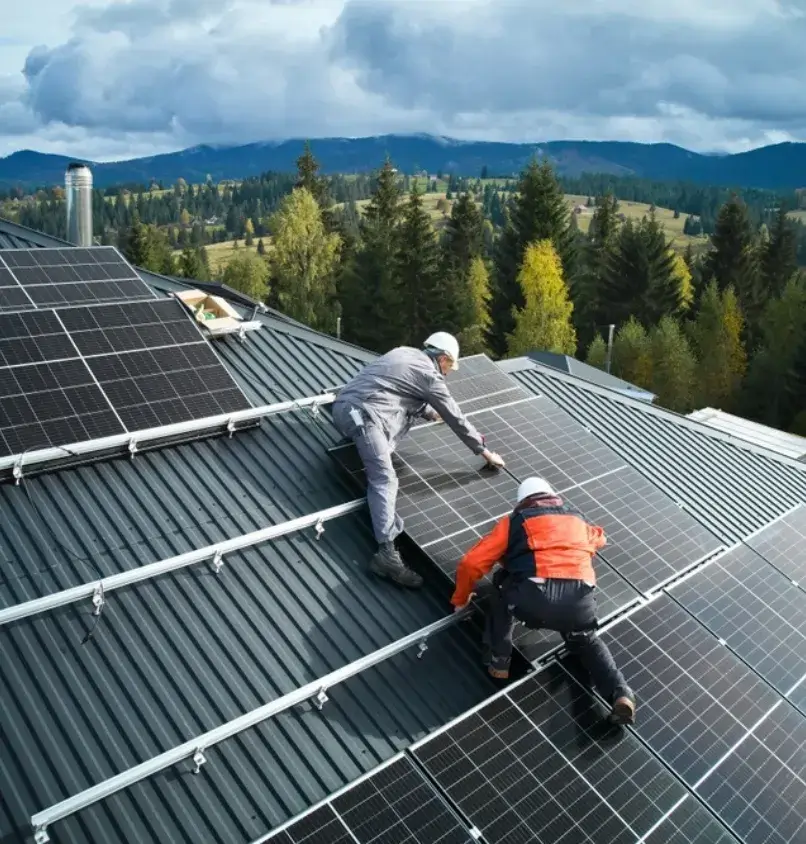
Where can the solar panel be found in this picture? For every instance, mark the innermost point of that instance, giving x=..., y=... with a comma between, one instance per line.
x=744, y=600
x=724, y=731
x=782, y=542
x=84, y=373
x=47, y=278
x=690, y=823
x=396, y=805
x=539, y=764
x=479, y=383
x=649, y=538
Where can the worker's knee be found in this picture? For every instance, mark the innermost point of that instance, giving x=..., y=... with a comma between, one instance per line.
x=579, y=638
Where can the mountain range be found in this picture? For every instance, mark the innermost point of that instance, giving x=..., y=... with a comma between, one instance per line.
x=778, y=167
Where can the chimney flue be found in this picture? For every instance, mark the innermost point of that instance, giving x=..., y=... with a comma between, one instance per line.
x=78, y=193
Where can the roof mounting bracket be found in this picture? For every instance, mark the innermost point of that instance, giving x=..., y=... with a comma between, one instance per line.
x=132, y=447
x=41, y=835
x=314, y=408
x=321, y=698
x=423, y=647
x=218, y=561
x=230, y=427
x=241, y=333
x=198, y=759
x=98, y=598
x=320, y=528
x=17, y=471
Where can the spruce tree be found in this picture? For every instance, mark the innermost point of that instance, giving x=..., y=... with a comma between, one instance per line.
x=462, y=243
x=426, y=304
x=538, y=212
x=673, y=366
x=597, y=352
x=544, y=321
x=632, y=354
x=734, y=261
x=717, y=340
x=779, y=256
x=369, y=288
x=308, y=177
x=473, y=339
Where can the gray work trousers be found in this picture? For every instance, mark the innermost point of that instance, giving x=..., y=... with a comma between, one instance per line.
x=375, y=452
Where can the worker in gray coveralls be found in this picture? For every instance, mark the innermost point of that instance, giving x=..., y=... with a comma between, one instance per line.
x=377, y=408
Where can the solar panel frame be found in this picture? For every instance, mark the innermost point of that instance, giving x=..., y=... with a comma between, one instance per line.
x=479, y=383
x=781, y=543
x=394, y=804
x=729, y=736
x=57, y=277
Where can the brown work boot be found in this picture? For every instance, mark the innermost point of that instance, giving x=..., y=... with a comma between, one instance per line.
x=623, y=711
x=498, y=667
x=387, y=562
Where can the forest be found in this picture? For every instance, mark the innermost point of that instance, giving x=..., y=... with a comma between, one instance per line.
x=508, y=270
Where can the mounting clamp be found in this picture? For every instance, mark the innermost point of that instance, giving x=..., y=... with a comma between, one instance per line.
x=314, y=408
x=98, y=598
x=231, y=427
x=423, y=647
x=132, y=447
x=198, y=759
x=17, y=471
x=218, y=561
x=320, y=528
x=41, y=835
x=321, y=698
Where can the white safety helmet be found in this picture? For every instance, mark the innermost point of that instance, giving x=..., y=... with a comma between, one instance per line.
x=534, y=486
x=445, y=343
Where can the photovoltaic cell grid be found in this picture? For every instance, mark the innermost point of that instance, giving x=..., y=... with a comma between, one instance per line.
x=761, y=615
x=479, y=383
x=47, y=278
x=727, y=734
x=649, y=538
x=613, y=593
x=394, y=806
x=82, y=373
x=539, y=764
x=782, y=544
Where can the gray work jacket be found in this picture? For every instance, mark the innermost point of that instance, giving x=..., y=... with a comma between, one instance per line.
x=402, y=385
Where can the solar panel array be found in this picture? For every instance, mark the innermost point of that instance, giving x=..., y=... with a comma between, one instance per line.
x=782, y=543
x=71, y=371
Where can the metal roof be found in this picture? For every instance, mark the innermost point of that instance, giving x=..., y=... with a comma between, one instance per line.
x=185, y=652
x=732, y=486
x=782, y=442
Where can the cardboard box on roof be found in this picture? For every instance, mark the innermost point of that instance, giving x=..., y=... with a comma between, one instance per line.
x=214, y=313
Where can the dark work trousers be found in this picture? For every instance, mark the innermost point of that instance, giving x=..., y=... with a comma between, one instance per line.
x=566, y=606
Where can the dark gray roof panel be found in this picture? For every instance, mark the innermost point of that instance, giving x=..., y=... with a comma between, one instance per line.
x=732, y=489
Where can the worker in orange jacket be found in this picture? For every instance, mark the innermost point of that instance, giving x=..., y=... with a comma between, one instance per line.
x=546, y=580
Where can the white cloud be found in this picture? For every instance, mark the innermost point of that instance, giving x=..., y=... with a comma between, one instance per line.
x=129, y=77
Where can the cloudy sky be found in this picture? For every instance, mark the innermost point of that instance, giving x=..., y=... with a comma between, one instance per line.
x=109, y=79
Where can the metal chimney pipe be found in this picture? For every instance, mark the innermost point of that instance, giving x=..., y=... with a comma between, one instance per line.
x=78, y=193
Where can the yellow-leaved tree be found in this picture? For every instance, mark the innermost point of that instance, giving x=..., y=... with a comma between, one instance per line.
x=473, y=338
x=682, y=274
x=304, y=259
x=544, y=321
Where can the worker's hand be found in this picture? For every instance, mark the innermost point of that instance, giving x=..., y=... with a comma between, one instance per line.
x=466, y=603
x=436, y=418
x=493, y=459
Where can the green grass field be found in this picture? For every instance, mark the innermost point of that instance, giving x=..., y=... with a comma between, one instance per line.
x=219, y=254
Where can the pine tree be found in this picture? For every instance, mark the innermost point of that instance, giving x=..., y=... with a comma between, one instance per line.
x=779, y=257
x=538, y=212
x=424, y=304
x=639, y=279
x=734, y=261
x=544, y=321
x=249, y=229
x=192, y=265
x=632, y=354
x=303, y=261
x=368, y=288
x=248, y=273
x=462, y=243
x=717, y=340
x=473, y=338
x=597, y=352
x=673, y=366
x=308, y=177
x=261, y=247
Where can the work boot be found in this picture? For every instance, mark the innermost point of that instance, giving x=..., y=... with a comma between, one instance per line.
x=623, y=711
x=386, y=562
x=498, y=667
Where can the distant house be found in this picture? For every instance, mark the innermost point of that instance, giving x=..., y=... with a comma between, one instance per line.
x=565, y=363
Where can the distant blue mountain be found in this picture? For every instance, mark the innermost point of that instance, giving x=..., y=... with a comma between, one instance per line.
x=781, y=166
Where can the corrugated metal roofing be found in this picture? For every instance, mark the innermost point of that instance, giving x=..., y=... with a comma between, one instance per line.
x=790, y=445
x=733, y=487
x=180, y=654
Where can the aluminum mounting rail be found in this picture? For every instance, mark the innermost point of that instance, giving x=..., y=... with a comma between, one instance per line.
x=96, y=589
x=195, y=748
x=132, y=439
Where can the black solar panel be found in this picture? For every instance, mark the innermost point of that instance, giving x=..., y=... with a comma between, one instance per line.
x=649, y=538
x=690, y=823
x=396, y=805
x=539, y=765
x=78, y=374
x=782, y=543
x=744, y=600
x=479, y=383
x=46, y=278
x=730, y=737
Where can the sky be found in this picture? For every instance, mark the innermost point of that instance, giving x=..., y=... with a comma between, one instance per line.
x=113, y=79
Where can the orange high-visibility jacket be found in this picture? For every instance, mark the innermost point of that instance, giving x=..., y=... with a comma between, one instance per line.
x=541, y=538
